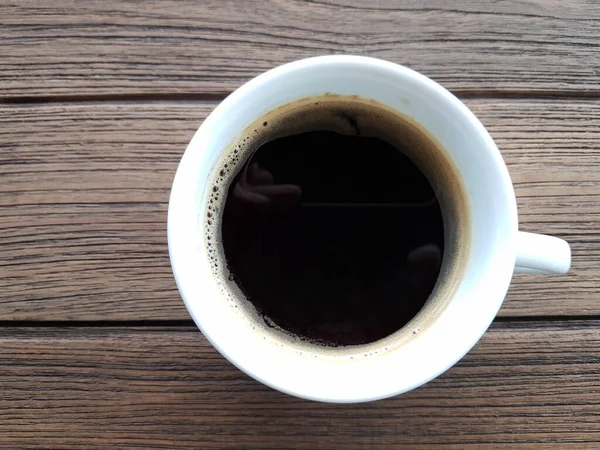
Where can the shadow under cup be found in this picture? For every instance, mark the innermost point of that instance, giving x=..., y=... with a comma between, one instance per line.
x=374, y=119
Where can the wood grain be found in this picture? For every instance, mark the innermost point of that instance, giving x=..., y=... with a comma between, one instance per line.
x=84, y=190
x=94, y=48
x=525, y=385
x=551, y=149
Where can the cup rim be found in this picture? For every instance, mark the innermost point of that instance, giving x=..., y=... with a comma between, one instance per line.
x=182, y=229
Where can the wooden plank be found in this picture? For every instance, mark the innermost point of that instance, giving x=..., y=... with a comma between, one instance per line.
x=93, y=48
x=525, y=385
x=551, y=151
x=84, y=190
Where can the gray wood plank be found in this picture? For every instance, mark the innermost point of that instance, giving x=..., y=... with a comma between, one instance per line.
x=167, y=47
x=84, y=190
x=525, y=385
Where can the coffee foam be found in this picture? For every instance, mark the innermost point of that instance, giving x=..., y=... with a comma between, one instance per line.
x=349, y=115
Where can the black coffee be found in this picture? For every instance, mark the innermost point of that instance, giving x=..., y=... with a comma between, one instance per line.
x=333, y=234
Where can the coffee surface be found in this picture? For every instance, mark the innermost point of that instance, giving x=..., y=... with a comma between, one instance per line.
x=335, y=238
x=319, y=225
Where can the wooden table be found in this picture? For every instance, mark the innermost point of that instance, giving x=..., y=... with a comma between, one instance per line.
x=98, y=100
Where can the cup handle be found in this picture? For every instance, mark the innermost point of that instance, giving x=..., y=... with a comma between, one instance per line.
x=541, y=254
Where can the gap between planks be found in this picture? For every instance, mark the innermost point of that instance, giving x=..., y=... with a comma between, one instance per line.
x=218, y=97
x=183, y=324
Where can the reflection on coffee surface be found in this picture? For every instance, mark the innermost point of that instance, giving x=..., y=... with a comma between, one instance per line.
x=327, y=227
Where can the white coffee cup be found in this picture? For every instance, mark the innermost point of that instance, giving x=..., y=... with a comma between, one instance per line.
x=497, y=249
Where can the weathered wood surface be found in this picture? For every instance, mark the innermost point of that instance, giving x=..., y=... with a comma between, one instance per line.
x=97, y=48
x=98, y=100
x=525, y=385
x=84, y=192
